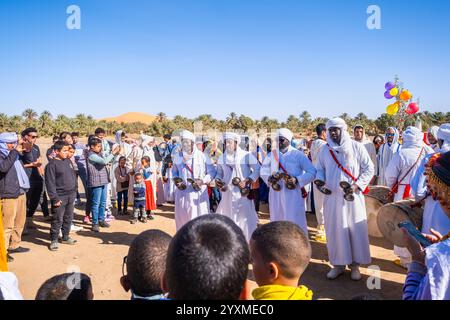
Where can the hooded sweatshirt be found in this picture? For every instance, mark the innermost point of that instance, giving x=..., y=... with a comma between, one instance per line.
x=277, y=292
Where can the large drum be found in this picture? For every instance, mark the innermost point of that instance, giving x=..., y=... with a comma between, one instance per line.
x=377, y=197
x=390, y=215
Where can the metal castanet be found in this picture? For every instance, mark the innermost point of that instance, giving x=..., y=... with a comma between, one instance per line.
x=193, y=184
x=179, y=183
x=245, y=191
x=273, y=181
x=221, y=184
x=286, y=177
x=321, y=187
x=348, y=191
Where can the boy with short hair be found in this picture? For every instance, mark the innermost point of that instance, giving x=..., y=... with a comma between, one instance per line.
x=280, y=253
x=61, y=184
x=67, y=286
x=207, y=260
x=146, y=263
x=139, y=211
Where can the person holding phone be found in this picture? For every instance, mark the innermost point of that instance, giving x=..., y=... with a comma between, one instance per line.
x=429, y=272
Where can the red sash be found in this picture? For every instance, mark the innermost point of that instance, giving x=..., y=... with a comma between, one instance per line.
x=407, y=191
x=275, y=156
x=348, y=173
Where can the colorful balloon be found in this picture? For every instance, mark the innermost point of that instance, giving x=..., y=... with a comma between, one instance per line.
x=412, y=108
x=392, y=109
x=389, y=86
x=394, y=92
x=405, y=95
x=387, y=95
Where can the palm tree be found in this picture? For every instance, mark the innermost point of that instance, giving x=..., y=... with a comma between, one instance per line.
x=29, y=114
x=4, y=121
x=161, y=116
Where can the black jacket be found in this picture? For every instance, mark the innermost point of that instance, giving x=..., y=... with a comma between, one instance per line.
x=60, y=179
x=9, y=184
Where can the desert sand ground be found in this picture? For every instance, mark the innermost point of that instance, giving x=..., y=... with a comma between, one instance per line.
x=100, y=255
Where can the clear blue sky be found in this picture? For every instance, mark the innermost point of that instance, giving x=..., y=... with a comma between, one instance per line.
x=188, y=57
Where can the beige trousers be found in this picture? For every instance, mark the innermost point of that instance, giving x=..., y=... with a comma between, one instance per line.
x=14, y=216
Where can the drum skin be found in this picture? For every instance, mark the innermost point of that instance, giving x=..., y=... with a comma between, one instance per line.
x=390, y=215
x=377, y=197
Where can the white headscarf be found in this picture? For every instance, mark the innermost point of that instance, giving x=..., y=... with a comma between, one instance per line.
x=145, y=140
x=185, y=134
x=285, y=133
x=119, y=137
x=345, y=146
x=412, y=138
x=444, y=134
x=433, y=130
x=364, y=137
x=396, y=136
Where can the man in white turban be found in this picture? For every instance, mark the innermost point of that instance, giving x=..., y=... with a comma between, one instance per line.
x=287, y=204
x=359, y=135
x=400, y=171
x=432, y=138
x=190, y=165
x=386, y=152
x=345, y=160
x=237, y=169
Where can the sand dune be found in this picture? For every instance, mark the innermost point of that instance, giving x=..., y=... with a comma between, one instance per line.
x=131, y=117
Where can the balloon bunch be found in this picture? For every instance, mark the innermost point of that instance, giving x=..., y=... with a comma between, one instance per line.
x=403, y=104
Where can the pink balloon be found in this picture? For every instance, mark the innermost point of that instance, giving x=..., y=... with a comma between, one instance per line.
x=412, y=108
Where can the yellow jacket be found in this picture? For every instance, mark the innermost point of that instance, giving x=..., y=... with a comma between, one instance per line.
x=276, y=292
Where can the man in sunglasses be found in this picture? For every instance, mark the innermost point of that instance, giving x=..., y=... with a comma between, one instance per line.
x=386, y=152
x=35, y=171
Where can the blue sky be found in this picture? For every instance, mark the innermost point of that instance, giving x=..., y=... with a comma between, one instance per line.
x=189, y=57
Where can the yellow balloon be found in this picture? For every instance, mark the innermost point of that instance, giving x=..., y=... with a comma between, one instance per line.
x=392, y=109
x=394, y=92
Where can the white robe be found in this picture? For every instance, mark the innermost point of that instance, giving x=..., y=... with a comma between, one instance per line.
x=169, y=186
x=288, y=205
x=370, y=147
x=189, y=203
x=319, y=197
x=240, y=209
x=346, y=222
x=385, y=154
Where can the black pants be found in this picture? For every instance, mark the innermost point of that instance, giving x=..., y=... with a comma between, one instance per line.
x=34, y=196
x=62, y=217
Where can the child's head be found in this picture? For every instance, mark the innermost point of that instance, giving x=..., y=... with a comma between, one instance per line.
x=95, y=144
x=146, y=262
x=66, y=136
x=61, y=149
x=122, y=161
x=280, y=253
x=75, y=136
x=207, y=260
x=138, y=177
x=67, y=286
x=55, y=138
x=145, y=161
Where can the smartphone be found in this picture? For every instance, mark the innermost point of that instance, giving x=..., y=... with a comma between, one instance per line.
x=412, y=230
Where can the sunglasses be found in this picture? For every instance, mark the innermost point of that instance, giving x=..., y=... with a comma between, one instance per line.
x=390, y=134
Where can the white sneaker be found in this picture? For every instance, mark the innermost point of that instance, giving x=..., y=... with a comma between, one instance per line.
x=355, y=275
x=74, y=228
x=335, y=272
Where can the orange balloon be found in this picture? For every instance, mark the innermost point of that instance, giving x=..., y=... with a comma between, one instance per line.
x=405, y=95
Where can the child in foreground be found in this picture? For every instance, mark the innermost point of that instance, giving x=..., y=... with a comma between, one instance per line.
x=139, y=200
x=280, y=253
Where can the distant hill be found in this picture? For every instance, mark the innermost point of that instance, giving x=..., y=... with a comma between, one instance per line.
x=131, y=117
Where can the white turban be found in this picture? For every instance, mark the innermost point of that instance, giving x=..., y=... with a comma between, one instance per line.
x=412, y=137
x=337, y=123
x=285, y=133
x=231, y=136
x=434, y=130
x=145, y=140
x=444, y=134
x=185, y=134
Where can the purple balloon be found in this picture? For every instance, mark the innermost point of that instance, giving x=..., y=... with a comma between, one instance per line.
x=389, y=86
x=387, y=95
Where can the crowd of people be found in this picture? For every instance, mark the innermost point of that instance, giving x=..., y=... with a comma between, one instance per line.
x=216, y=187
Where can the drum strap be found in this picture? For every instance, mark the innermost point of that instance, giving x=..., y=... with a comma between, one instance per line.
x=348, y=173
x=275, y=156
x=407, y=191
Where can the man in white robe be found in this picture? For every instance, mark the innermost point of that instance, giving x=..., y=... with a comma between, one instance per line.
x=242, y=164
x=286, y=204
x=316, y=146
x=359, y=135
x=386, y=152
x=191, y=163
x=346, y=221
x=400, y=171
x=432, y=138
